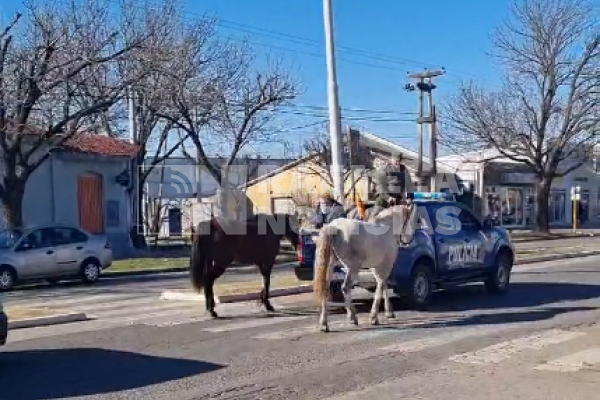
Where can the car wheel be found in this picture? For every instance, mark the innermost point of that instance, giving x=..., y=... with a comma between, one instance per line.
x=499, y=280
x=420, y=289
x=7, y=278
x=90, y=271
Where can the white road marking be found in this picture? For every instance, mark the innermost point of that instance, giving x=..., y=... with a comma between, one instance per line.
x=586, y=359
x=504, y=350
x=253, y=323
x=437, y=340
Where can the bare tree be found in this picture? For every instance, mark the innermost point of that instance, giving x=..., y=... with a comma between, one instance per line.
x=229, y=107
x=174, y=58
x=546, y=115
x=58, y=70
x=358, y=161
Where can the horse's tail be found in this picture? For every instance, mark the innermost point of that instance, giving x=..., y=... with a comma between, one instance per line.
x=327, y=237
x=201, y=258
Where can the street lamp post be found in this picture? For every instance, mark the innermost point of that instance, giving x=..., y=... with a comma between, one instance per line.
x=335, y=123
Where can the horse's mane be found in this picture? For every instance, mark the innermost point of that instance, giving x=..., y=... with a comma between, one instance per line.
x=397, y=215
x=391, y=212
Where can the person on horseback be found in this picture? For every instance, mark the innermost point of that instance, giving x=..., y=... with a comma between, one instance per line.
x=327, y=210
x=390, y=180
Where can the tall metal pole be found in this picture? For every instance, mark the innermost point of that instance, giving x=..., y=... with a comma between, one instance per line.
x=425, y=85
x=335, y=123
x=135, y=168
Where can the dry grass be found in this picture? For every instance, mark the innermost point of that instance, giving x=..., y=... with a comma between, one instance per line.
x=149, y=264
x=20, y=313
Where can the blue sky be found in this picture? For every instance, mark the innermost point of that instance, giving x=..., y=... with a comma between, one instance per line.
x=378, y=41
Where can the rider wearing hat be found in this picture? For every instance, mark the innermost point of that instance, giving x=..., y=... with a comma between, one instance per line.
x=391, y=181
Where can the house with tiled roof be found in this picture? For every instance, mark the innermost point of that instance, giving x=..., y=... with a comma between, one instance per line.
x=85, y=182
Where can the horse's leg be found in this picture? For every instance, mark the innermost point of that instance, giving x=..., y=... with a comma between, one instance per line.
x=374, y=316
x=323, y=325
x=209, y=296
x=350, y=309
x=265, y=270
x=389, y=311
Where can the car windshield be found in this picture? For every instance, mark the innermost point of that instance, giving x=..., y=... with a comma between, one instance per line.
x=9, y=237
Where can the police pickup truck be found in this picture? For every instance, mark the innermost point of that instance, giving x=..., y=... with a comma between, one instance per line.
x=450, y=247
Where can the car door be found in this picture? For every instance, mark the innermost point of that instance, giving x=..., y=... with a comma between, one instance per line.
x=473, y=251
x=36, y=255
x=447, y=236
x=69, y=248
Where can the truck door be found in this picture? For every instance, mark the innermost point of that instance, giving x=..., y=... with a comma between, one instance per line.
x=448, y=237
x=473, y=251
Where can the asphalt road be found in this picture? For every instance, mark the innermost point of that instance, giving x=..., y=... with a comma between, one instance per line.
x=140, y=349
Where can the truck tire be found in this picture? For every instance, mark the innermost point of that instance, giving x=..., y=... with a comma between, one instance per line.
x=499, y=279
x=420, y=288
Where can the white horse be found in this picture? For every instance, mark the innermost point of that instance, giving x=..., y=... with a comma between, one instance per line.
x=359, y=244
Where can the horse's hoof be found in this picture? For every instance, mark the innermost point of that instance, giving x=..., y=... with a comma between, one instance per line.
x=324, y=328
x=213, y=314
x=390, y=315
x=374, y=321
x=353, y=321
x=269, y=308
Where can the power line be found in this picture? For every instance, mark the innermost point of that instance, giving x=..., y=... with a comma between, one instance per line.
x=357, y=110
x=255, y=30
x=311, y=42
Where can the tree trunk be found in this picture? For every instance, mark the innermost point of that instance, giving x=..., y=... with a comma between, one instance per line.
x=542, y=210
x=12, y=205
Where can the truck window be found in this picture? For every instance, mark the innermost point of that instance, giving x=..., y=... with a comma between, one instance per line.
x=448, y=219
x=468, y=220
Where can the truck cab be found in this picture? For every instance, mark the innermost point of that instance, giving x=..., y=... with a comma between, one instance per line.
x=450, y=247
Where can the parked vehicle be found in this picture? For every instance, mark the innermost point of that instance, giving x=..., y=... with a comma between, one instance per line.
x=438, y=256
x=51, y=253
x=3, y=325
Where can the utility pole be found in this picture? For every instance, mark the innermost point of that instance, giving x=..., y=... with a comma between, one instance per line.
x=424, y=84
x=335, y=122
x=135, y=167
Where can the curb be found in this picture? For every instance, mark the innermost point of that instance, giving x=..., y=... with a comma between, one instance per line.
x=233, y=298
x=556, y=257
x=251, y=268
x=518, y=240
x=47, y=321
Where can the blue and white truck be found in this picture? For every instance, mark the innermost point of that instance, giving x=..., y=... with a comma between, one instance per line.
x=450, y=247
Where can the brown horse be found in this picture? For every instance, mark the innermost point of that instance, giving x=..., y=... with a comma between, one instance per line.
x=218, y=242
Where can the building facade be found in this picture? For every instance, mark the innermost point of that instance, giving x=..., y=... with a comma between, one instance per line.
x=82, y=184
x=508, y=191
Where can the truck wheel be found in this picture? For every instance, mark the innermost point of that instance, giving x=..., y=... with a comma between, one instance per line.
x=499, y=279
x=420, y=288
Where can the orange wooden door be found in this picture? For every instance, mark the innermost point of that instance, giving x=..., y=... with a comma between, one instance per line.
x=89, y=198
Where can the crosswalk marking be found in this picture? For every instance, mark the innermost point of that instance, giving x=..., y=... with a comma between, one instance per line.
x=441, y=339
x=408, y=333
x=502, y=351
x=144, y=309
x=585, y=359
x=252, y=323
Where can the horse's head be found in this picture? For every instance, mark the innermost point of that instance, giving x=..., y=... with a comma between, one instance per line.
x=399, y=218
